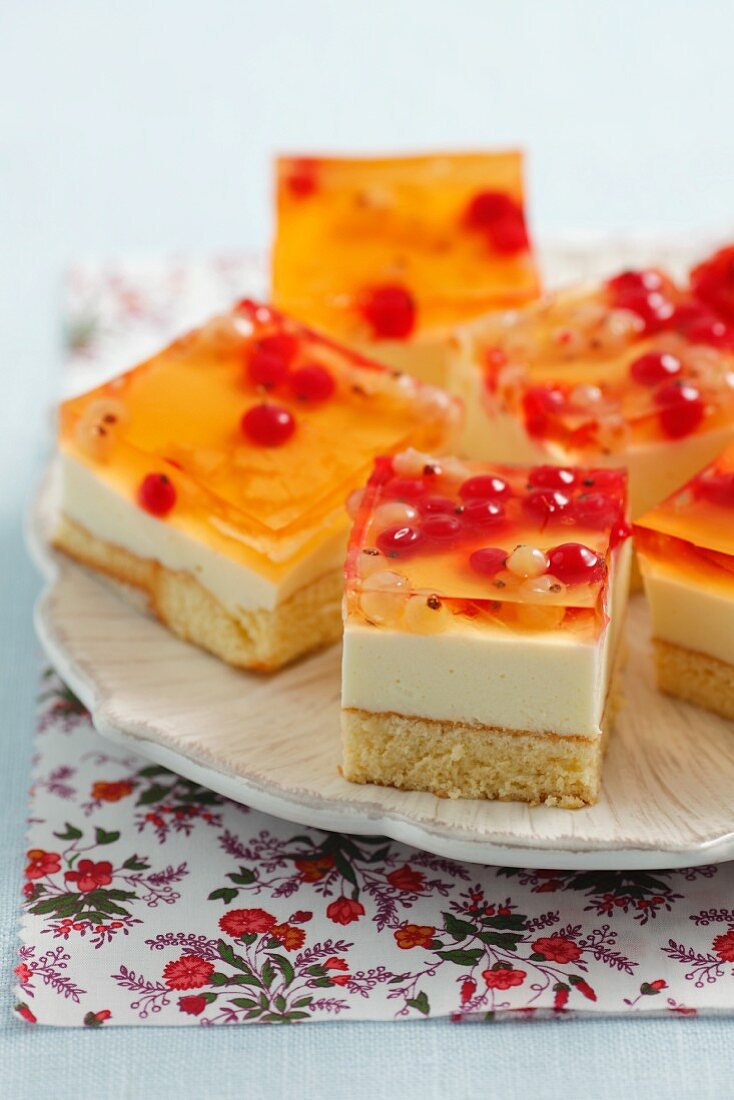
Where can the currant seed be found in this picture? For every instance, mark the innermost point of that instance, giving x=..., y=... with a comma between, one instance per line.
x=156, y=494
x=574, y=563
x=488, y=561
x=312, y=383
x=268, y=425
x=527, y=561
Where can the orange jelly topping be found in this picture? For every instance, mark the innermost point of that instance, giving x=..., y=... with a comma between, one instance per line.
x=523, y=547
x=635, y=360
x=693, y=530
x=250, y=432
x=386, y=248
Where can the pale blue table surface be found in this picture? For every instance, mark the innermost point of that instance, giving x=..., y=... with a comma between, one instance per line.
x=147, y=126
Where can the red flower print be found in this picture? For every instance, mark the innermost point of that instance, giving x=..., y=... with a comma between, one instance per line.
x=560, y=999
x=414, y=935
x=584, y=988
x=557, y=949
x=405, y=878
x=658, y=984
x=313, y=870
x=504, y=977
x=345, y=910
x=89, y=875
x=188, y=972
x=23, y=973
x=300, y=916
x=111, y=792
x=28, y=890
x=238, y=922
x=291, y=937
x=42, y=863
x=194, y=1005
x=335, y=963
x=724, y=946
x=24, y=1011
x=468, y=989
x=340, y=979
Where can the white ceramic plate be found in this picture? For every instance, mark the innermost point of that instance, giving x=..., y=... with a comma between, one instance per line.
x=273, y=743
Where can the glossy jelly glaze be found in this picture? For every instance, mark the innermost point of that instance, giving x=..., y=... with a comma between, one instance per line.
x=387, y=248
x=692, y=531
x=634, y=361
x=525, y=548
x=249, y=432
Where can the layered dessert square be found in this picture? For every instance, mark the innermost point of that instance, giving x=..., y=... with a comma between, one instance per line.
x=686, y=552
x=213, y=477
x=484, y=612
x=388, y=253
x=634, y=372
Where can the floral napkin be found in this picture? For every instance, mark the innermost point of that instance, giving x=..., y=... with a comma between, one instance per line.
x=150, y=900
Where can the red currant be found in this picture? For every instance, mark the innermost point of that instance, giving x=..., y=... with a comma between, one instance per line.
x=509, y=234
x=700, y=325
x=487, y=207
x=574, y=563
x=488, y=561
x=604, y=479
x=713, y=282
x=655, y=367
x=442, y=528
x=635, y=282
x=541, y=405
x=552, y=477
x=405, y=488
x=546, y=504
x=268, y=425
x=390, y=311
x=718, y=488
x=681, y=408
x=302, y=180
x=268, y=360
x=156, y=494
x=479, y=513
x=620, y=531
x=485, y=485
x=399, y=541
x=595, y=510
x=312, y=383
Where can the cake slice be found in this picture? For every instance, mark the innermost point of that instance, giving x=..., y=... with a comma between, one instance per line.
x=213, y=477
x=388, y=253
x=483, y=623
x=686, y=552
x=634, y=372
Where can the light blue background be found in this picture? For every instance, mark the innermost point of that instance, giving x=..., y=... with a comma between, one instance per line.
x=147, y=125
